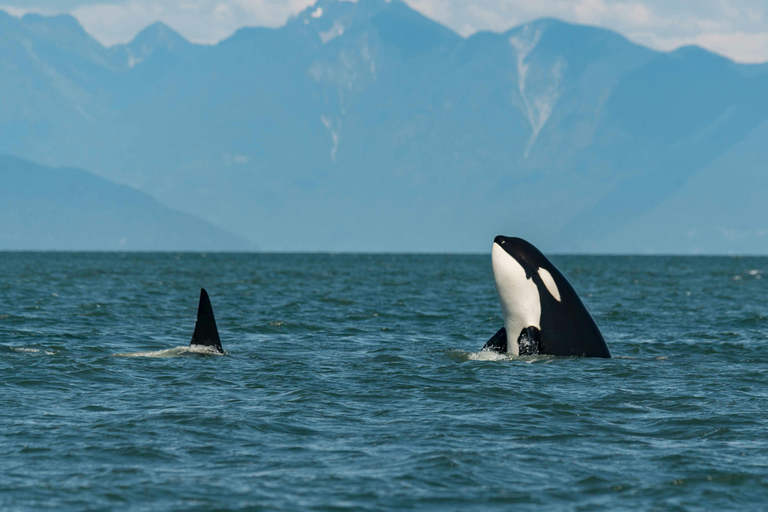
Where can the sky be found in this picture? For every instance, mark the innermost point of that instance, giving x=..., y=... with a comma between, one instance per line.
x=737, y=29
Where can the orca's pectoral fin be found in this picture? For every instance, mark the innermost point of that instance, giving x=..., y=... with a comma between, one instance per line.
x=498, y=343
x=206, y=333
x=529, y=341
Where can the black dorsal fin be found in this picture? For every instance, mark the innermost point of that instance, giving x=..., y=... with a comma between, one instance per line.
x=498, y=343
x=206, y=333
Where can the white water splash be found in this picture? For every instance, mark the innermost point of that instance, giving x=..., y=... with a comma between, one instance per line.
x=488, y=355
x=32, y=350
x=192, y=350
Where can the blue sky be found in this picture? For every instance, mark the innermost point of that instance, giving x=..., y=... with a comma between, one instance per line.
x=735, y=28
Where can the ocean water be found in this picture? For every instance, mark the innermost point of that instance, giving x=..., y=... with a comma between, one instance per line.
x=353, y=382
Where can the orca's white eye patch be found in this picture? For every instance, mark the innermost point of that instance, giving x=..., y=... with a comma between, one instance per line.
x=549, y=282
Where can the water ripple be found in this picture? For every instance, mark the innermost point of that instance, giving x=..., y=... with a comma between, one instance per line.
x=355, y=382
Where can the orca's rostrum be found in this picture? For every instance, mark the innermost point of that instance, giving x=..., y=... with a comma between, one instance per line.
x=543, y=314
x=206, y=334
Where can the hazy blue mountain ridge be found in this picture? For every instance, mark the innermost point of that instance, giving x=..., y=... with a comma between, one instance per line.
x=366, y=126
x=48, y=72
x=70, y=209
x=60, y=86
x=665, y=121
x=727, y=199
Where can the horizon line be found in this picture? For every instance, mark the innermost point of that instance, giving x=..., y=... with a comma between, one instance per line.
x=204, y=253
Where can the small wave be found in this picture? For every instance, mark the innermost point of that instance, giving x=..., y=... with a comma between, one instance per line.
x=30, y=350
x=192, y=350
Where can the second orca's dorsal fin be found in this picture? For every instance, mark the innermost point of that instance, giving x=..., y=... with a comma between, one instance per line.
x=206, y=333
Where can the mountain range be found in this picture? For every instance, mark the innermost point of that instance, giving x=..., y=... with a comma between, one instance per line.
x=365, y=126
x=72, y=210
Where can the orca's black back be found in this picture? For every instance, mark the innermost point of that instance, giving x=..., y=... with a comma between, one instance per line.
x=567, y=328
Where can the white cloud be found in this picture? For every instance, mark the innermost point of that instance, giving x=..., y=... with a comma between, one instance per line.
x=750, y=47
x=735, y=28
x=202, y=21
x=117, y=23
x=740, y=46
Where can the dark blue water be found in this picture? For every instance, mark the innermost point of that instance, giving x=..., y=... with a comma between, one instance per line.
x=354, y=383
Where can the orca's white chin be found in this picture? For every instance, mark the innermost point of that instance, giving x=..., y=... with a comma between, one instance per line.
x=518, y=296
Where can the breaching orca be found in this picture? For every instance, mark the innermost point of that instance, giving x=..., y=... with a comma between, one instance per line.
x=206, y=334
x=542, y=312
